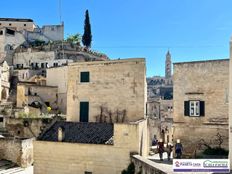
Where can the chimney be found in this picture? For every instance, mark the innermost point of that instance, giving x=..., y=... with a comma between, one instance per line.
x=60, y=134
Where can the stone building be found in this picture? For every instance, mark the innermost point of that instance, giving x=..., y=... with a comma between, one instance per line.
x=15, y=33
x=107, y=91
x=58, y=76
x=19, y=151
x=18, y=24
x=159, y=105
x=106, y=124
x=230, y=106
x=4, y=81
x=100, y=148
x=201, y=104
x=160, y=114
x=53, y=55
x=37, y=96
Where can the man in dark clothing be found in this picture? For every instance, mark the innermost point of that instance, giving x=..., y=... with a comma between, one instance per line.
x=161, y=149
x=169, y=150
x=178, y=149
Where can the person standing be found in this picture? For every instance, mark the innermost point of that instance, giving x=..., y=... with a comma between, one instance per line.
x=178, y=149
x=169, y=150
x=161, y=149
x=154, y=141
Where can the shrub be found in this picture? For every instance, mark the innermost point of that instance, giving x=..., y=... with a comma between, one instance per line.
x=216, y=151
x=130, y=169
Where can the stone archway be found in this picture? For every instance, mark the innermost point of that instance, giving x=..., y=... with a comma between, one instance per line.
x=4, y=94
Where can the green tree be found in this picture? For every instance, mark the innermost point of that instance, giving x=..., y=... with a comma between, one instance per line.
x=87, y=36
x=74, y=38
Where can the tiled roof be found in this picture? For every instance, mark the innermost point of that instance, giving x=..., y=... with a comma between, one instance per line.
x=79, y=132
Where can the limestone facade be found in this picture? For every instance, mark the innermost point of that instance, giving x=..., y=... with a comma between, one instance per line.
x=31, y=93
x=38, y=60
x=160, y=113
x=17, y=151
x=4, y=83
x=96, y=158
x=115, y=90
x=230, y=107
x=17, y=24
x=59, y=77
x=201, y=103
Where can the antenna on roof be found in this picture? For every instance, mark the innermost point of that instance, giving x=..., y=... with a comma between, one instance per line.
x=60, y=12
x=60, y=15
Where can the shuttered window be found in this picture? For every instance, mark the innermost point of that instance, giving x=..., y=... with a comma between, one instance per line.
x=194, y=108
x=84, y=77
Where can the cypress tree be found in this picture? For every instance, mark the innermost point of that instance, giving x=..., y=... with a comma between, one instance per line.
x=87, y=36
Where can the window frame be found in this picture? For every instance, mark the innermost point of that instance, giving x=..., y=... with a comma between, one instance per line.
x=196, y=108
x=81, y=77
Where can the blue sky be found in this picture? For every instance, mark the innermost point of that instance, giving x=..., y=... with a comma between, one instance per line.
x=191, y=29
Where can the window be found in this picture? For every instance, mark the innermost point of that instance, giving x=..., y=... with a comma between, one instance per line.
x=9, y=24
x=84, y=76
x=25, y=25
x=88, y=172
x=42, y=65
x=32, y=65
x=1, y=32
x=194, y=108
x=11, y=32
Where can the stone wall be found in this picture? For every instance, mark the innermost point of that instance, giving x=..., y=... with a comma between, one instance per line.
x=230, y=107
x=115, y=86
x=26, y=58
x=53, y=32
x=62, y=158
x=205, y=81
x=38, y=93
x=17, y=151
x=59, y=77
x=145, y=166
x=25, y=74
x=25, y=25
x=17, y=127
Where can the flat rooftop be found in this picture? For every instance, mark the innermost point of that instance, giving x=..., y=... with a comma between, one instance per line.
x=16, y=19
x=106, y=62
x=202, y=61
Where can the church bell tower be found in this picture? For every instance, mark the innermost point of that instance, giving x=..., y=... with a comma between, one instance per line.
x=168, y=66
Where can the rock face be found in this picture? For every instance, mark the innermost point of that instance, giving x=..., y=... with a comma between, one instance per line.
x=206, y=82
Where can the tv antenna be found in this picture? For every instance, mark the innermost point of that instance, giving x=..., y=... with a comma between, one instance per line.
x=60, y=11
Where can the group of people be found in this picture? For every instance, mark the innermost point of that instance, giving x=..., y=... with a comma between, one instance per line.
x=169, y=147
